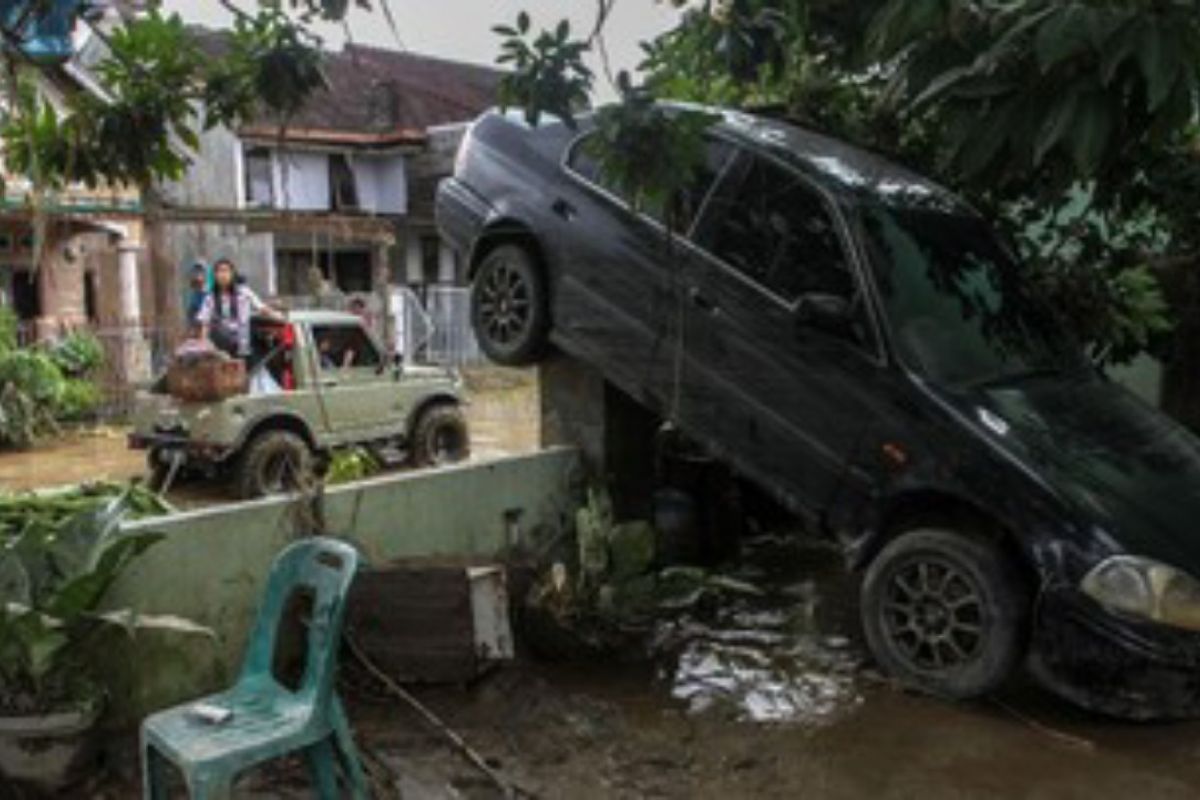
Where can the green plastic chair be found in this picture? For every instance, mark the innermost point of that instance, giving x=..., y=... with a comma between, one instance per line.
x=267, y=719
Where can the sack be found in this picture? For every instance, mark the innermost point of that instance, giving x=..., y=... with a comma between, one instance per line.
x=206, y=379
x=262, y=382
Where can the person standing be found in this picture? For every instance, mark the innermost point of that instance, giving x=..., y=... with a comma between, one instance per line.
x=227, y=310
x=197, y=291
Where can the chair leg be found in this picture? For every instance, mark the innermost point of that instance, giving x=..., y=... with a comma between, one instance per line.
x=210, y=785
x=344, y=737
x=154, y=773
x=322, y=765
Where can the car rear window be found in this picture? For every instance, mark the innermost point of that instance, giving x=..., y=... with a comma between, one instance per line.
x=584, y=164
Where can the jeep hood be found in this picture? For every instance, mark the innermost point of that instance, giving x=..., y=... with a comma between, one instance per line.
x=1131, y=469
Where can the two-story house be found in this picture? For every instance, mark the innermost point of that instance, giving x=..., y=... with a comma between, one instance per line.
x=340, y=195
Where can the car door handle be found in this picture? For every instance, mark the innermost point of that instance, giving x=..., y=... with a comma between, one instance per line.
x=702, y=302
x=563, y=209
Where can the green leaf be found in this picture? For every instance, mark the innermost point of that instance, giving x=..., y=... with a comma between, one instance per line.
x=1058, y=123
x=523, y=22
x=1092, y=131
x=1062, y=36
x=1159, y=57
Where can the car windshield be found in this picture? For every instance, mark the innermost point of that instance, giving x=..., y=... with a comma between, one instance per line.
x=959, y=312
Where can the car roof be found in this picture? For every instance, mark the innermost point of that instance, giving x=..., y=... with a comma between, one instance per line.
x=854, y=174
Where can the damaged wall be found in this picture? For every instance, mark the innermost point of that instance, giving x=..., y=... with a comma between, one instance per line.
x=212, y=565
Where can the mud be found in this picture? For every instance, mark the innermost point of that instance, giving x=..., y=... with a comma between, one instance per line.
x=768, y=697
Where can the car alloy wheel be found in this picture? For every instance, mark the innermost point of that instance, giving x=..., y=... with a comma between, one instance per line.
x=945, y=610
x=505, y=303
x=934, y=614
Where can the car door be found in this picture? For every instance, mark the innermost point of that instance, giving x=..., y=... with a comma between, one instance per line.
x=617, y=297
x=358, y=393
x=781, y=361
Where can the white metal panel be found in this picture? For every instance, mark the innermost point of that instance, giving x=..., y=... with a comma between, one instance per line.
x=489, y=612
x=302, y=181
x=382, y=183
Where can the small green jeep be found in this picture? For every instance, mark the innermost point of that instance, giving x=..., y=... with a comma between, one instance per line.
x=319, y=382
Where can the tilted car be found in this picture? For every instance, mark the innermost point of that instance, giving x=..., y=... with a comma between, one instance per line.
x=331, y=388
x=857, y=341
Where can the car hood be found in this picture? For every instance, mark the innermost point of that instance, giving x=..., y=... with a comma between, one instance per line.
x=1134, y=471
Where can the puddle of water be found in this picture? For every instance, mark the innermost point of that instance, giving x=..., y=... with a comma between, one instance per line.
x=765, y=659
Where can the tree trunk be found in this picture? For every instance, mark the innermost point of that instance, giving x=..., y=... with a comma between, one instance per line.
x=168, y=301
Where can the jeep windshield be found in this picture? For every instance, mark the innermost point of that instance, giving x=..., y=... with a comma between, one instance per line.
x=959, y=312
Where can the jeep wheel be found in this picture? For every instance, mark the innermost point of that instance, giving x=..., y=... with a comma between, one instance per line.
x=440, y=437
x=945, y=612
x=274, y=462
x=510, y=307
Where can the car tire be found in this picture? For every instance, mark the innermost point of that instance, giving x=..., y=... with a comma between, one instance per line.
x=945, y=612
x=440, y=436
x=273, y=462
x=510, y=308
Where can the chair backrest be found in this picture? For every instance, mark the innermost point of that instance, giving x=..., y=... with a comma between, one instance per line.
x=324, y=568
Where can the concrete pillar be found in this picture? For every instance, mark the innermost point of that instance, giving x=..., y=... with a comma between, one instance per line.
x=412, y=258
x=128, y=280
x=134, y=359
x=615, y=434
x=447, y=266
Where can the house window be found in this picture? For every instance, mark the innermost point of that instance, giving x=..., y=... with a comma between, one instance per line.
x=260, y=185
x=343, y=191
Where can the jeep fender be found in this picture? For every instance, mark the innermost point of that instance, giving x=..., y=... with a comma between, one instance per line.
x=275, y=420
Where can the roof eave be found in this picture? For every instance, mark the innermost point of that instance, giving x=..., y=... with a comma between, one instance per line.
x=318, y=137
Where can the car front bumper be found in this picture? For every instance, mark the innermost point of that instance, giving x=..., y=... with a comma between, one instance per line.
x=167, y=443
x=1114, y=665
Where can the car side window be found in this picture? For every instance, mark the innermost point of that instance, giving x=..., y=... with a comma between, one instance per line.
x=345, y=346
x=772, y=227
x=717, y=155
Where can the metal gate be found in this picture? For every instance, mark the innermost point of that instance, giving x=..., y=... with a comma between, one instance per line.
x=453, y=340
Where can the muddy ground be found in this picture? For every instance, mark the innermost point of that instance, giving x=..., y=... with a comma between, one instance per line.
x=767, y=697
x=743, y=697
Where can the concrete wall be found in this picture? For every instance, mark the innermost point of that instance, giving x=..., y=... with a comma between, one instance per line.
x=212, y=565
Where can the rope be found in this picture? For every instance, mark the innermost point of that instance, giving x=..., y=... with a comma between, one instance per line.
x=507, y=788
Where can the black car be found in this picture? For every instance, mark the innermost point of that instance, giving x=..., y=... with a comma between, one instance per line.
x=856, y=340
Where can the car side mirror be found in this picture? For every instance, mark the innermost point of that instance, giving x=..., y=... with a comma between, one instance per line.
x=827, y=312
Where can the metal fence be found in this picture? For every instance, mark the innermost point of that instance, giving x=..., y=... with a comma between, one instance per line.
x=428, y=324
x=453, y=339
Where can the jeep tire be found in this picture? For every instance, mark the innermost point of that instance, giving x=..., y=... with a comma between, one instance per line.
x=440, y=436
x=273, y=462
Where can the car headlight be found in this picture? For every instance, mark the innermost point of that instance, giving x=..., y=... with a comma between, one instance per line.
x=1144, y=588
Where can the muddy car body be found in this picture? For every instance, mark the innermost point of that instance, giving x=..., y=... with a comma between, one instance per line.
x=854, y=339
x=324, y=397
